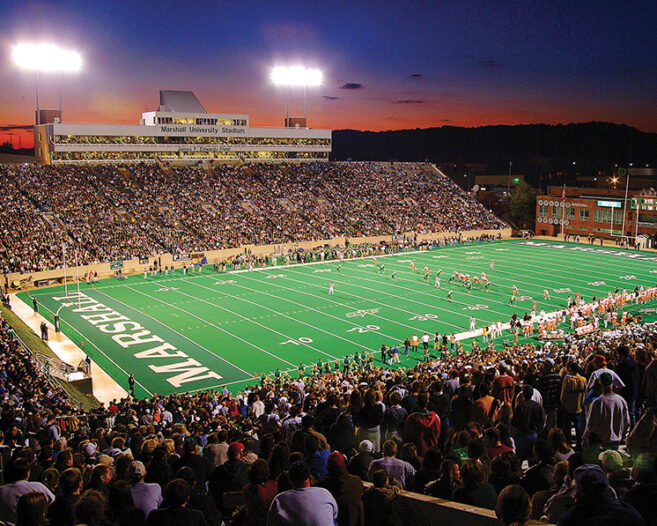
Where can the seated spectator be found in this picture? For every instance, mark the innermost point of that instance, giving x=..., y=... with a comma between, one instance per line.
x=539, y=476
x=317, y=456
x=540, y=498
x=494, y=444
x=121, y=509
x=397, y=469
x=379, y=501
x=595, y=504
x=174, y=511
x=513, y=506
x=475, y=489
x=60, y=512
x=230, y=476
x=347, y=490
x=447, y=482
x=31, y=509
x=89, y=509
x=643, y=495
x=359, y=464
x=17, y=474
x=198, y=498
x=620, y=479
x=303, y=505
x=559, y=445
x=146, y=496
x=258, y=493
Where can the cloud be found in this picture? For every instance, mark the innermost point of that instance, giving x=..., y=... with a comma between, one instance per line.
x=328, y=97
x=415, y=76
x=352, y=85
x=408, y=101
x=490, y=63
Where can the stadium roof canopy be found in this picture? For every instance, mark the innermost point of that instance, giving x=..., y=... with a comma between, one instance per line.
x=180, y=101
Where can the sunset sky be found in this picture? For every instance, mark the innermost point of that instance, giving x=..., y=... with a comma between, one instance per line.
x=387, y=65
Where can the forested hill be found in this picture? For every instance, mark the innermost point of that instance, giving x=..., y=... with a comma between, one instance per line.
x=592, y=143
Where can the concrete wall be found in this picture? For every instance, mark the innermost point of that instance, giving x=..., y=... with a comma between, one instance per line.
x=416, y=509
x=133, y=266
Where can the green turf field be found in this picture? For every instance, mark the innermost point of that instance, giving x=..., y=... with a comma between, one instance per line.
x=206, y=330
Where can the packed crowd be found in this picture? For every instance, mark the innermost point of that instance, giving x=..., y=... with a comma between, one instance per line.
x=565, y=432
x=107, y=212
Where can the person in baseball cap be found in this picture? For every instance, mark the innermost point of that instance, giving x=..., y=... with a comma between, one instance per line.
x=595, y=504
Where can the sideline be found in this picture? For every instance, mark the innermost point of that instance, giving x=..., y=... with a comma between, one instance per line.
x=105, y=388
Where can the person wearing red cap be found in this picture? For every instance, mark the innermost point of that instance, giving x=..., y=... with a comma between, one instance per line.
x=347, y=490
x=230, y=476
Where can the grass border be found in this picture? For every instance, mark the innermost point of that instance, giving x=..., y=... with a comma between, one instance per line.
x=36, y=345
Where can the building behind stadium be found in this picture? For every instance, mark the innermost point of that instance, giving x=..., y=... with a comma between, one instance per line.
x=179, y=130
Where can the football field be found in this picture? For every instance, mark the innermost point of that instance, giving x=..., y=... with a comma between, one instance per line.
x=206, y=330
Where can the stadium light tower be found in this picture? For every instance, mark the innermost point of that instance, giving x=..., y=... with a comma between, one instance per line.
x=296, y=76
x=44, y=58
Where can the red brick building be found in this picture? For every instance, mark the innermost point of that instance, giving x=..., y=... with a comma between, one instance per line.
x=599, y=212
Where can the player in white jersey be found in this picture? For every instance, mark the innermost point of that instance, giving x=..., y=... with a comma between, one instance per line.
x=546, y=294
x=331, y=290
x=436, y=283
x=492, y=265
x=472, y=323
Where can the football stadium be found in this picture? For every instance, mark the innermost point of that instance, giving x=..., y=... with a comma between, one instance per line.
x=210, y=320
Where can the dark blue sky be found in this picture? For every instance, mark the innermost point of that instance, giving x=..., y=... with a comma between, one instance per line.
x=387, y=65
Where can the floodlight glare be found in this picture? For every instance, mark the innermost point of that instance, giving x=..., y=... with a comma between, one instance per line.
x=46, y=57
x=296, y=76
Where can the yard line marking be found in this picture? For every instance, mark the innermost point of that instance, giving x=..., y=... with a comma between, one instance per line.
x=286, y=316
x=406, y=298
x=223, y=330
x=174, y=330
x=342, y=304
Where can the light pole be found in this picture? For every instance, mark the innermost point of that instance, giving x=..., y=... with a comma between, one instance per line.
x=43, y=58
x=296, y=76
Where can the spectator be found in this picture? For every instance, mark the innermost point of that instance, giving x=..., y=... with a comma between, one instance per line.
x=475, y=489
x=174, y=511
x=89, y=509
x=146, y=496
x=513, y=506
x=595, y=504
x=198, y=498
x=258, y=493
x=31, y=509
x=608, y=415
x=303, y=505
x=17, y=475
x=380, y=501
x=397, y=469
x=422, y=427
x=359, y=464
x=347, y=490
x=230, y=476
x=60, y=512
x=121, y=507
